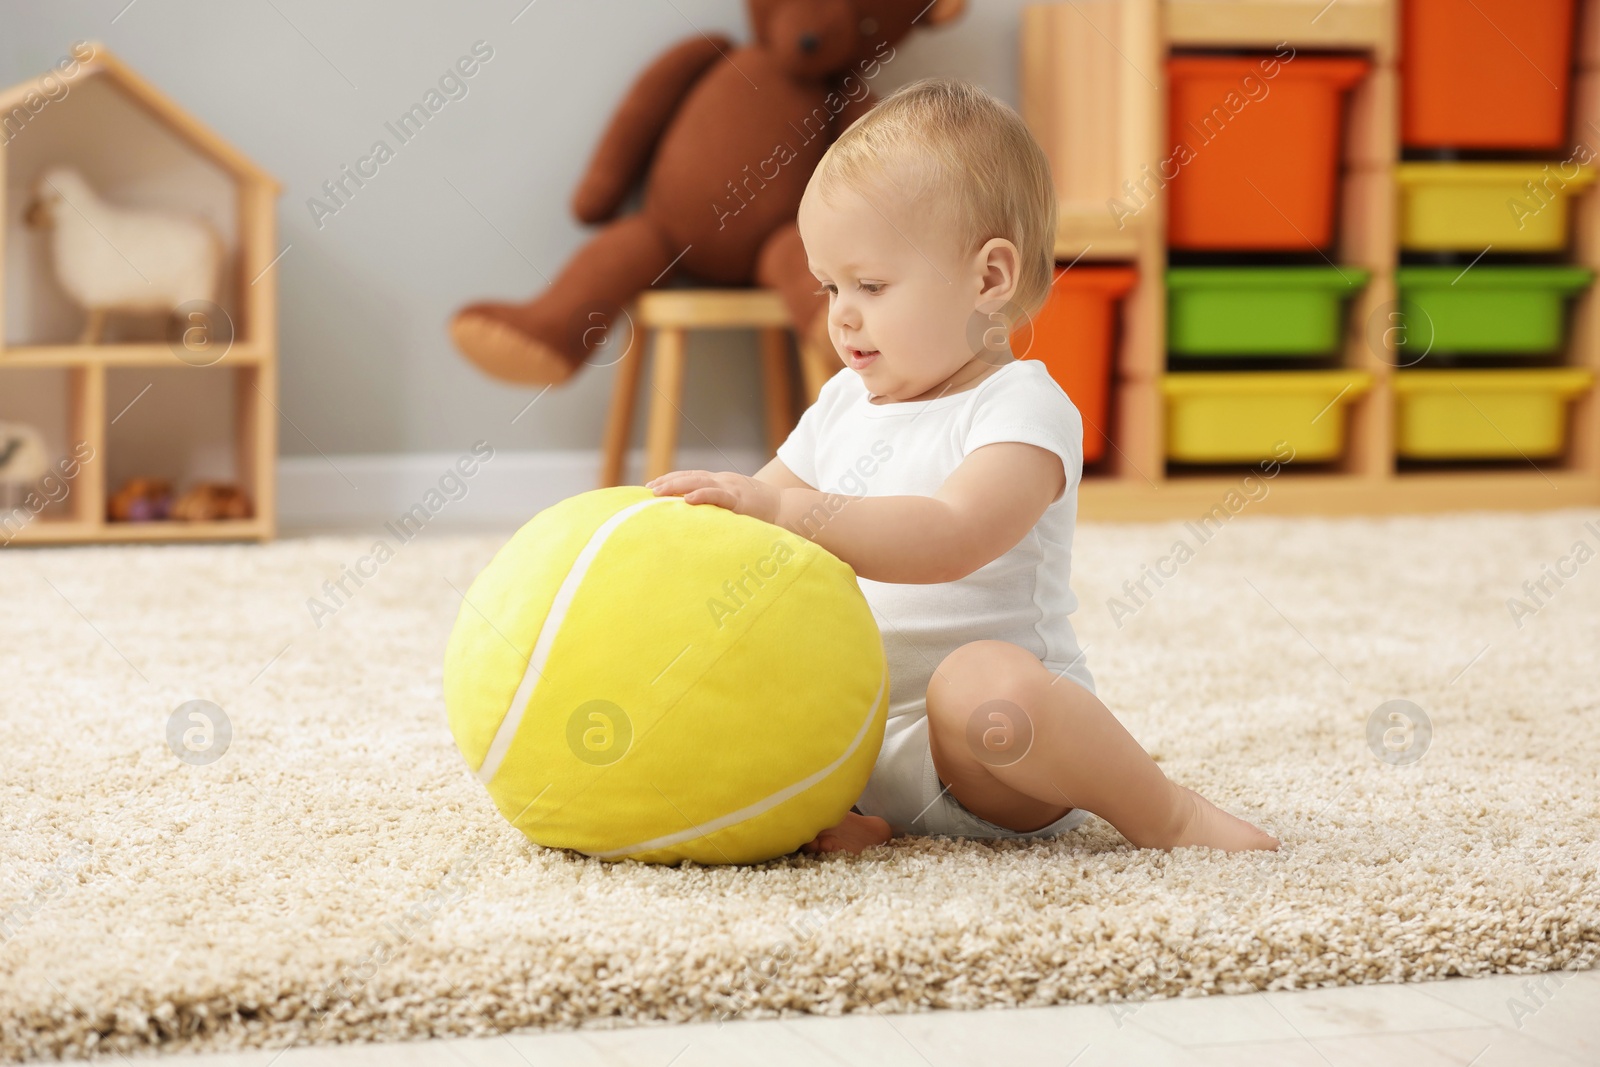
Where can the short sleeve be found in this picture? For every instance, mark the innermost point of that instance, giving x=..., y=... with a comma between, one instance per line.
x=799, y=450
x=1027, y=405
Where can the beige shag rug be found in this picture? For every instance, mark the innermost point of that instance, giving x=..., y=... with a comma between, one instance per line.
x=338, y=875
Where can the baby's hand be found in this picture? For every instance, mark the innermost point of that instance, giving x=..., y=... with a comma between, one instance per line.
x=726, y=489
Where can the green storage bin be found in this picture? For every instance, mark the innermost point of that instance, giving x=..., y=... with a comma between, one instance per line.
x=1258, y=311
x=1512, y=310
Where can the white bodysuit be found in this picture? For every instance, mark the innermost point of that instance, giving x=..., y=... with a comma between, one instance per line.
x=846, y=444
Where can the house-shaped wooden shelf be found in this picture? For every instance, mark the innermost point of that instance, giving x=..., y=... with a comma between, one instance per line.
x=140, y=403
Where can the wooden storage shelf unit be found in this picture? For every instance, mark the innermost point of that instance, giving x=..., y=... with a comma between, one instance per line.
x=105, y=95
x=1094, y=93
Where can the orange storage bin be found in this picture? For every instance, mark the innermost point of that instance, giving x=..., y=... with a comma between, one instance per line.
x=1487, y=74
x=1073, y=336
x=1255, y=145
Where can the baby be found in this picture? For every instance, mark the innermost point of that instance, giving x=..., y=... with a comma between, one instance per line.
x=945, y=472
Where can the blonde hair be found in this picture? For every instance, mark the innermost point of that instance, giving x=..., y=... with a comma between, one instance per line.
x=973, y=154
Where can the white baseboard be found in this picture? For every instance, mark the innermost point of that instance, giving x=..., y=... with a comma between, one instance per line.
x=509, y=487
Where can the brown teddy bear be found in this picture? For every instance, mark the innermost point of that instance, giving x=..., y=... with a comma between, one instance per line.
x=725, y=140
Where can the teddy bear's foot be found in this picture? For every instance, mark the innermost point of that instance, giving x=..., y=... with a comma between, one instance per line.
x=491, y=336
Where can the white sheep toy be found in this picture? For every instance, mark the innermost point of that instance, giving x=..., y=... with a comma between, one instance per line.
x=118, y=259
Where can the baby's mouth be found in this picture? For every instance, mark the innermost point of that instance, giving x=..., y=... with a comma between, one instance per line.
x=860, y=357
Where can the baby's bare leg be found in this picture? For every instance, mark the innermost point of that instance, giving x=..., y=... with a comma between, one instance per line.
x=1020, y=746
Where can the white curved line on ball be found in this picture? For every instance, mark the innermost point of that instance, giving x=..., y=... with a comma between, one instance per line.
x=764, y=805
x=547, y=636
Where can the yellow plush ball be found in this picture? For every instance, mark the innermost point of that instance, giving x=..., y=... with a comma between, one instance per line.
x=636, y=677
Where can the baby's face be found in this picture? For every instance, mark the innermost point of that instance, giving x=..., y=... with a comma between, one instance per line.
x=902, y=296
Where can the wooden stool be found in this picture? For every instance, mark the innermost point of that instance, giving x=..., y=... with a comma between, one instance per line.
x=662, y=319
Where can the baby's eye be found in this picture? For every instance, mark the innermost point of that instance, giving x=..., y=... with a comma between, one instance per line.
x=827, y=289
x=872, y=287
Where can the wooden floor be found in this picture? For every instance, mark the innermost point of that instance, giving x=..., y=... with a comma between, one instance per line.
x=1550, y=1020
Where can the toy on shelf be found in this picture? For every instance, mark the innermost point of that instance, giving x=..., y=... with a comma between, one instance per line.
x=141, y=500
x=152, y=500
x=117, y=259
x=723, y=168
x=23, y=461
x=212, y=502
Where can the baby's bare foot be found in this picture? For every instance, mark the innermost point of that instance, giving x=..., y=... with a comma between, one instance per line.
x=854, y=834
x=1211, y=827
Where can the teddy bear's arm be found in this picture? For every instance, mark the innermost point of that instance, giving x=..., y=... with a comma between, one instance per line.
x=630, y=139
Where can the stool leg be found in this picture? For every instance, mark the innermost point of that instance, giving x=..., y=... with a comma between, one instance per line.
x=619, y=419
x=661, y=437
x=780, y=396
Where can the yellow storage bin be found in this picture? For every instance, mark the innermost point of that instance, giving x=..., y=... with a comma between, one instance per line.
x=1467, y=207
x=1243, y=417
x=1485, y=414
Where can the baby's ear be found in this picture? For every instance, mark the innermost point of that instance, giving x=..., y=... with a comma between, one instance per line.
x=1001, y=265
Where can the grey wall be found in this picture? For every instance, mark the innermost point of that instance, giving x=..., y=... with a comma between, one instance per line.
x=304, y=87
